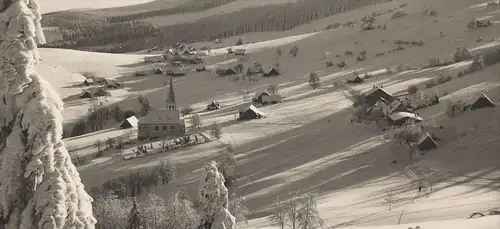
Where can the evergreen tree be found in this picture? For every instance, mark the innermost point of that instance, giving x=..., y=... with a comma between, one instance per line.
x=134, y=218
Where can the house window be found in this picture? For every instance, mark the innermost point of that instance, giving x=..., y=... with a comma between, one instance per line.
x=157, y=127
x=171, y=127
x=165, y=127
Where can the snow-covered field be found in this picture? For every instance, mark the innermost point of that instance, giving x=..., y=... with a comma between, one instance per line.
x=306, y=143
x=254, y=47
x=59, y=5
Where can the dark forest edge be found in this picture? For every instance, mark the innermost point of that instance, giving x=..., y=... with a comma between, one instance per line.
x=119, y=36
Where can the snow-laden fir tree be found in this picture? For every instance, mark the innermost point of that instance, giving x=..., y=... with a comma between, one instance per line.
x=213, y=197
x=39, y=186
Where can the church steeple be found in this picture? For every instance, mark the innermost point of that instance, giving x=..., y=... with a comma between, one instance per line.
x=170, y=103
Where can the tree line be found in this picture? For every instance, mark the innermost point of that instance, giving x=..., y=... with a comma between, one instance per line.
x=188, y=7
x=259, y=19
x=135, y=183
x=127, y=36
x=101, y=35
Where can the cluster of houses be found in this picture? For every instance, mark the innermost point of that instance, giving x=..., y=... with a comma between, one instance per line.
x=398, y=113
x=99, y=87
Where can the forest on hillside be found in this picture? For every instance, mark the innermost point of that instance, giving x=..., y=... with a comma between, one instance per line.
x=188, y=7
x=257, y=19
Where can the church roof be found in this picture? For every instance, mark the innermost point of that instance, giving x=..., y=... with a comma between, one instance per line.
x=171, y=94
x=161, y=117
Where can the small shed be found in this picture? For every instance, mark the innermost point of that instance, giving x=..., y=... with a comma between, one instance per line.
x=355, y=79
x=176, y=71
x=213, y=106
x=426, y=142
x=154, y=59
x=272, y=99
x=240, y=52
x=86, y=94
x=251, y=113
x=254, y=70
x=88, y=82
x=258, y=97
x=271, y=71
x=129, y=122
x=158, y=71
x=482, y=102
x=400, y=118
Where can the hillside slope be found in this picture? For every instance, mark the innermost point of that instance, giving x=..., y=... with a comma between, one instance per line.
x=255, y=19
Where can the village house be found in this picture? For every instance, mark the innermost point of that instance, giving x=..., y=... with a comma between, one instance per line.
x=176, y=71
x=355, y=79
x=271, y=71
x=94, y=92
x=378, y=93
x=250, y=112
x=240, y=52
x=272, y=99
x=129, y=123
x=400, y=118
x=213, y=106
x=163, y=122
x=154, y=59
x=482, y=102
x=88, y=82
x=258, y=96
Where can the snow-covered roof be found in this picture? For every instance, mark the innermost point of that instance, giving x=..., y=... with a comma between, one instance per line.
x=132, y=120
x=422, y=139
x=257, y=111
x=161, y=116
x=373, y=90
x=400, y=115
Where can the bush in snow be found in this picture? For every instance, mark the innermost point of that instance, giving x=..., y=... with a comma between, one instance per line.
x=227, y=164
x=296, y=212
x=34, y=162
x=215, y=130
x=186, y=110
x=462, y=54
x=454, y=107
x=398, y=14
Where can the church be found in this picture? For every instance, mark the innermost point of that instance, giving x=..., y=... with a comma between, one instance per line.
x=164, y=122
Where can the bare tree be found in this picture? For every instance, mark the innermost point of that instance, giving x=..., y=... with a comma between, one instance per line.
x=279, y=51
x=215, y=130
x=314, y=80
x=389, y=199
x=292, y=209
x=239, y=210
x=155, y=212
x=279, y=216
x=308, y=216
x=186, y=110
x=145, y=105
x=273, y=88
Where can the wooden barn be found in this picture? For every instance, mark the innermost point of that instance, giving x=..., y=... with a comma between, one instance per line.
x=129, y=122
x=213, y=106
x=426, y=142
x=271, y=71
x=251, y=113
x=482, y=102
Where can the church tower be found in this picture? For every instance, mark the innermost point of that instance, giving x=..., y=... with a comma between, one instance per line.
x=170, y=103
